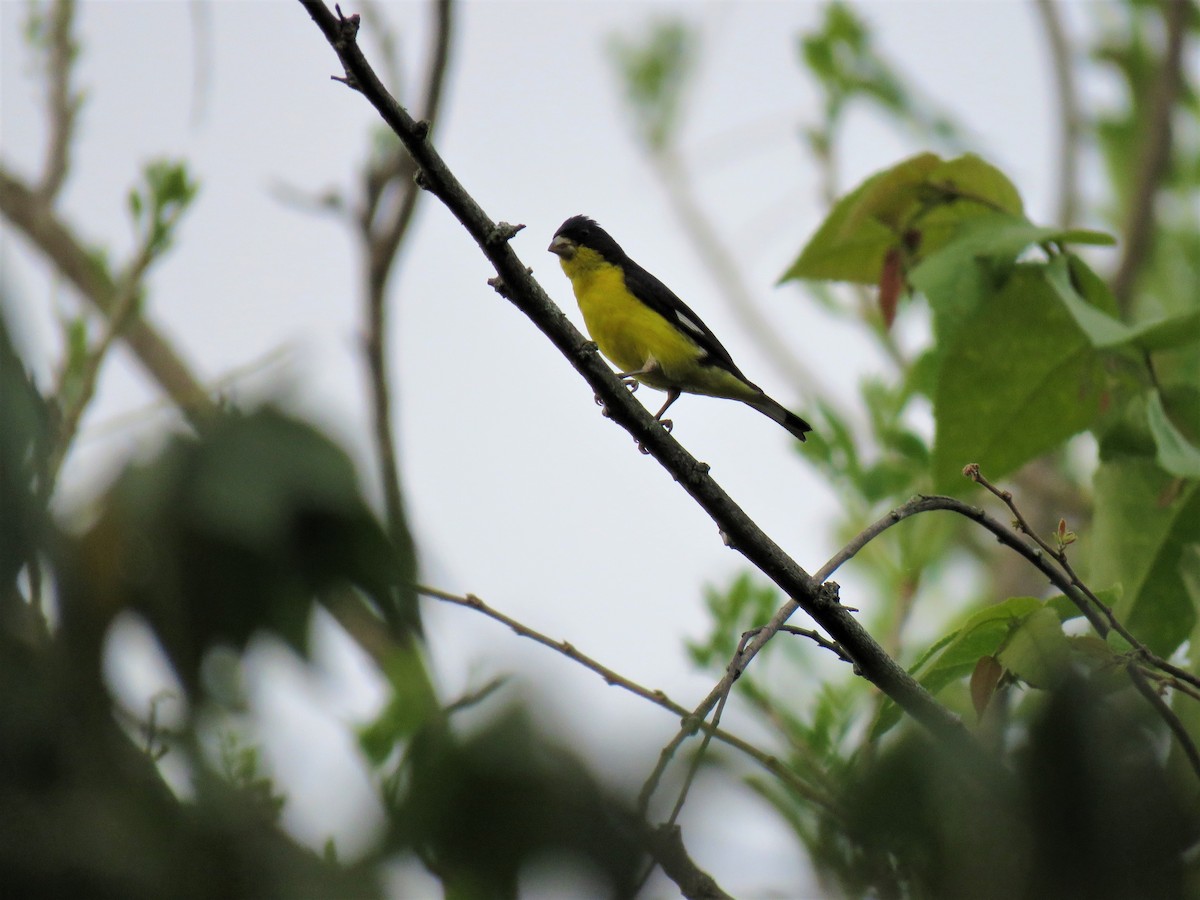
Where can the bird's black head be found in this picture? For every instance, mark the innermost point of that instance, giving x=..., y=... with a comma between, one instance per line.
x=580, y=231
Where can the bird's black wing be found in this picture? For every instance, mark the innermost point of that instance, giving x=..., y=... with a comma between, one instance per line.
x=663, y=301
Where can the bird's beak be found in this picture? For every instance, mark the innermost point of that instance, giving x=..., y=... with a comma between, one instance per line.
x=563, y=247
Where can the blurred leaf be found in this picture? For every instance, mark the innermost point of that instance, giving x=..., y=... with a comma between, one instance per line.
x=1176, y=454
x=968, y=177
x=1085, y=809
x=654, y=69
x=746, y=603
x=922, y=373
x=238, y=531
x=1141, y=528
x=74, y=366
x=135, y=203
x=985, y=677
x=410, y=706
x=241, y=766
x=1037, y=652
x=841, y=55
x=1170, y=333
x=483, y=807
x=982, y=634
x=1067, y=610
x=1100, y=327
x=25, y=433
x=156, y=207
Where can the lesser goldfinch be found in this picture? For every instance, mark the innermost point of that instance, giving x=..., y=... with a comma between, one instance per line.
x=649, y=333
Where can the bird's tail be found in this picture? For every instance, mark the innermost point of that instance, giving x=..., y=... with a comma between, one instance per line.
x=781, y=414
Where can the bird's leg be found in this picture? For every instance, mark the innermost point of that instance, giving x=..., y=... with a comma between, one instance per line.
x=672, y=396
x=629, y=379
x=649, y=367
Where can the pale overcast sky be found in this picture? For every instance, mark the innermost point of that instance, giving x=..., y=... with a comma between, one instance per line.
x=518, y=489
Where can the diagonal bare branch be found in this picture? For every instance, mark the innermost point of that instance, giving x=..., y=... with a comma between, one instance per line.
x=528, y=296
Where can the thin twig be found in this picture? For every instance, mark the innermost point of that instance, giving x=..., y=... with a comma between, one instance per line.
x=698, y=756
x=1070, y=114
x=1059, y=555
x=1178, y=685
x=1006, y=536
x=657, y=697
x=474, y=698
x=697, y=759
x=819, y=639
x=123, y=311
x=1143, y=653
x=1154, y=155
x=1168, y=715
x=689, y=779
x=745, y=653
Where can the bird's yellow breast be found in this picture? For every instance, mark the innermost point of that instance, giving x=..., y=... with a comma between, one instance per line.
x=625, y=329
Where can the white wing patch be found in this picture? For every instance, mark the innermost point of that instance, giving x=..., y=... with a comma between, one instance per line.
x=689, y=324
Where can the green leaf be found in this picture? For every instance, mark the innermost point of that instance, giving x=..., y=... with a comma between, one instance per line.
x=920, y=206
x=851, y=243
x=969, y=177
x=1170, y=333
x=1017, y=377
x=1176, y=454
x=954, y=655
x=982, y=253
x=1094, y=309
x=1102, y=329
x=1038, y=652
x=981, y=635
x=240, y=763
x=1117, y=642
x=1143, y=522
x=958, y=277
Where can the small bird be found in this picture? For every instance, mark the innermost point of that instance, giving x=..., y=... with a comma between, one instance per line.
x=649, y=333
